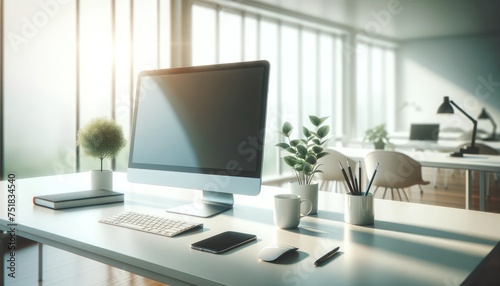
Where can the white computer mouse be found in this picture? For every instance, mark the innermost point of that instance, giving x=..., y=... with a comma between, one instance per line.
x=275, y=251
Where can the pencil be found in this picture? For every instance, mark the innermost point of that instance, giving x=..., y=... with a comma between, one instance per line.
x=354, y=185
x=359, y=176
x=346, y=178
x=371, y=180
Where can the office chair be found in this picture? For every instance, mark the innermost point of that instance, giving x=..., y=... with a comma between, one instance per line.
x=396, y=171
x=486, y=150
x=331, y=174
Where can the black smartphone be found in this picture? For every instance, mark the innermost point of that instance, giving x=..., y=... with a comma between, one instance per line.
x=223, y=241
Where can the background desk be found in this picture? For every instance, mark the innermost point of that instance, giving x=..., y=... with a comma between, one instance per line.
x=409, y=244
x=445, y=146
x=481, y=163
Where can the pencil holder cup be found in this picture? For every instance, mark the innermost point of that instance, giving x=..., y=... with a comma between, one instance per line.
x=358, y=209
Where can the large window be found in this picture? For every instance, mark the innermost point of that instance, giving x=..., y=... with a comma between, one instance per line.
x=306, y=64
x=66, y=63
x=375, y=86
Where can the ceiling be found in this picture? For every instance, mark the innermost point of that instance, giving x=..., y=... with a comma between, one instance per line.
x=403, y=19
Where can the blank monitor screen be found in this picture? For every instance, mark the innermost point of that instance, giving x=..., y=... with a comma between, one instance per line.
x=201, y=127
x=424, y=132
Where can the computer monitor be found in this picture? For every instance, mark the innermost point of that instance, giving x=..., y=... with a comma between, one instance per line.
x=201, y=128
x=424, y=132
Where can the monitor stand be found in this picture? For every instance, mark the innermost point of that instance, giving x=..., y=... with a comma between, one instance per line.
x=211, y=204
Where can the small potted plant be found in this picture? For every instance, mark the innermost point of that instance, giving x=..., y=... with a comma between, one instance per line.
x=378, y=136
x=303, y=157
x=101, y=138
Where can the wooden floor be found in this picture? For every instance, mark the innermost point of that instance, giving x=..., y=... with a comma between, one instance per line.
x=63, y=268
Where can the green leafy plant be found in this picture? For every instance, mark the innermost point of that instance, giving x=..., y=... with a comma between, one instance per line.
x=378, y=136
x=304, y=153
x=101, y=138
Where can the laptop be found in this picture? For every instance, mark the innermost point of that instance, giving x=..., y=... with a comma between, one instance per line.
x=424, y=132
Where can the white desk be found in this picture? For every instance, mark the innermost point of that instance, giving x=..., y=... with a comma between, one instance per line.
x=448, y=146
x=481, y=163
x=409, y=244
x=444, y=144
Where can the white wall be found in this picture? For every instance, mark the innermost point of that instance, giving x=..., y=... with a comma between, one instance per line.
x=467, y=69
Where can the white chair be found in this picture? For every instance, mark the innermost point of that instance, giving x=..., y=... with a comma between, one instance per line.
x=331, y=174
x=396, y=171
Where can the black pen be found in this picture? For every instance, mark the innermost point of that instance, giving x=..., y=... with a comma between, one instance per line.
x=354, y=184
x=325, y=257
x=359, y=169
x=371, y=180
x=346, y=178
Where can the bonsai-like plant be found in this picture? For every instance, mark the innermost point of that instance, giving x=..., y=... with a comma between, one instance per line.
x=378, y=136
x=101, y=138
x=305, y=152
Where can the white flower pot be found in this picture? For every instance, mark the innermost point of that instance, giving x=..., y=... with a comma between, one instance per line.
x=101, y=180
x=308, y=192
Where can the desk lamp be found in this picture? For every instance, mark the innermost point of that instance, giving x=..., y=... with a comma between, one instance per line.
x=447, y=108
x=485, y=115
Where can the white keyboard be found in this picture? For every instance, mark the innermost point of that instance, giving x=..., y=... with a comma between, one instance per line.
x=151, y=223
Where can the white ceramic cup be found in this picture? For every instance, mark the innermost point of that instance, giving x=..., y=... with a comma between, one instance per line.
x=287, y=210
x=358, y=209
